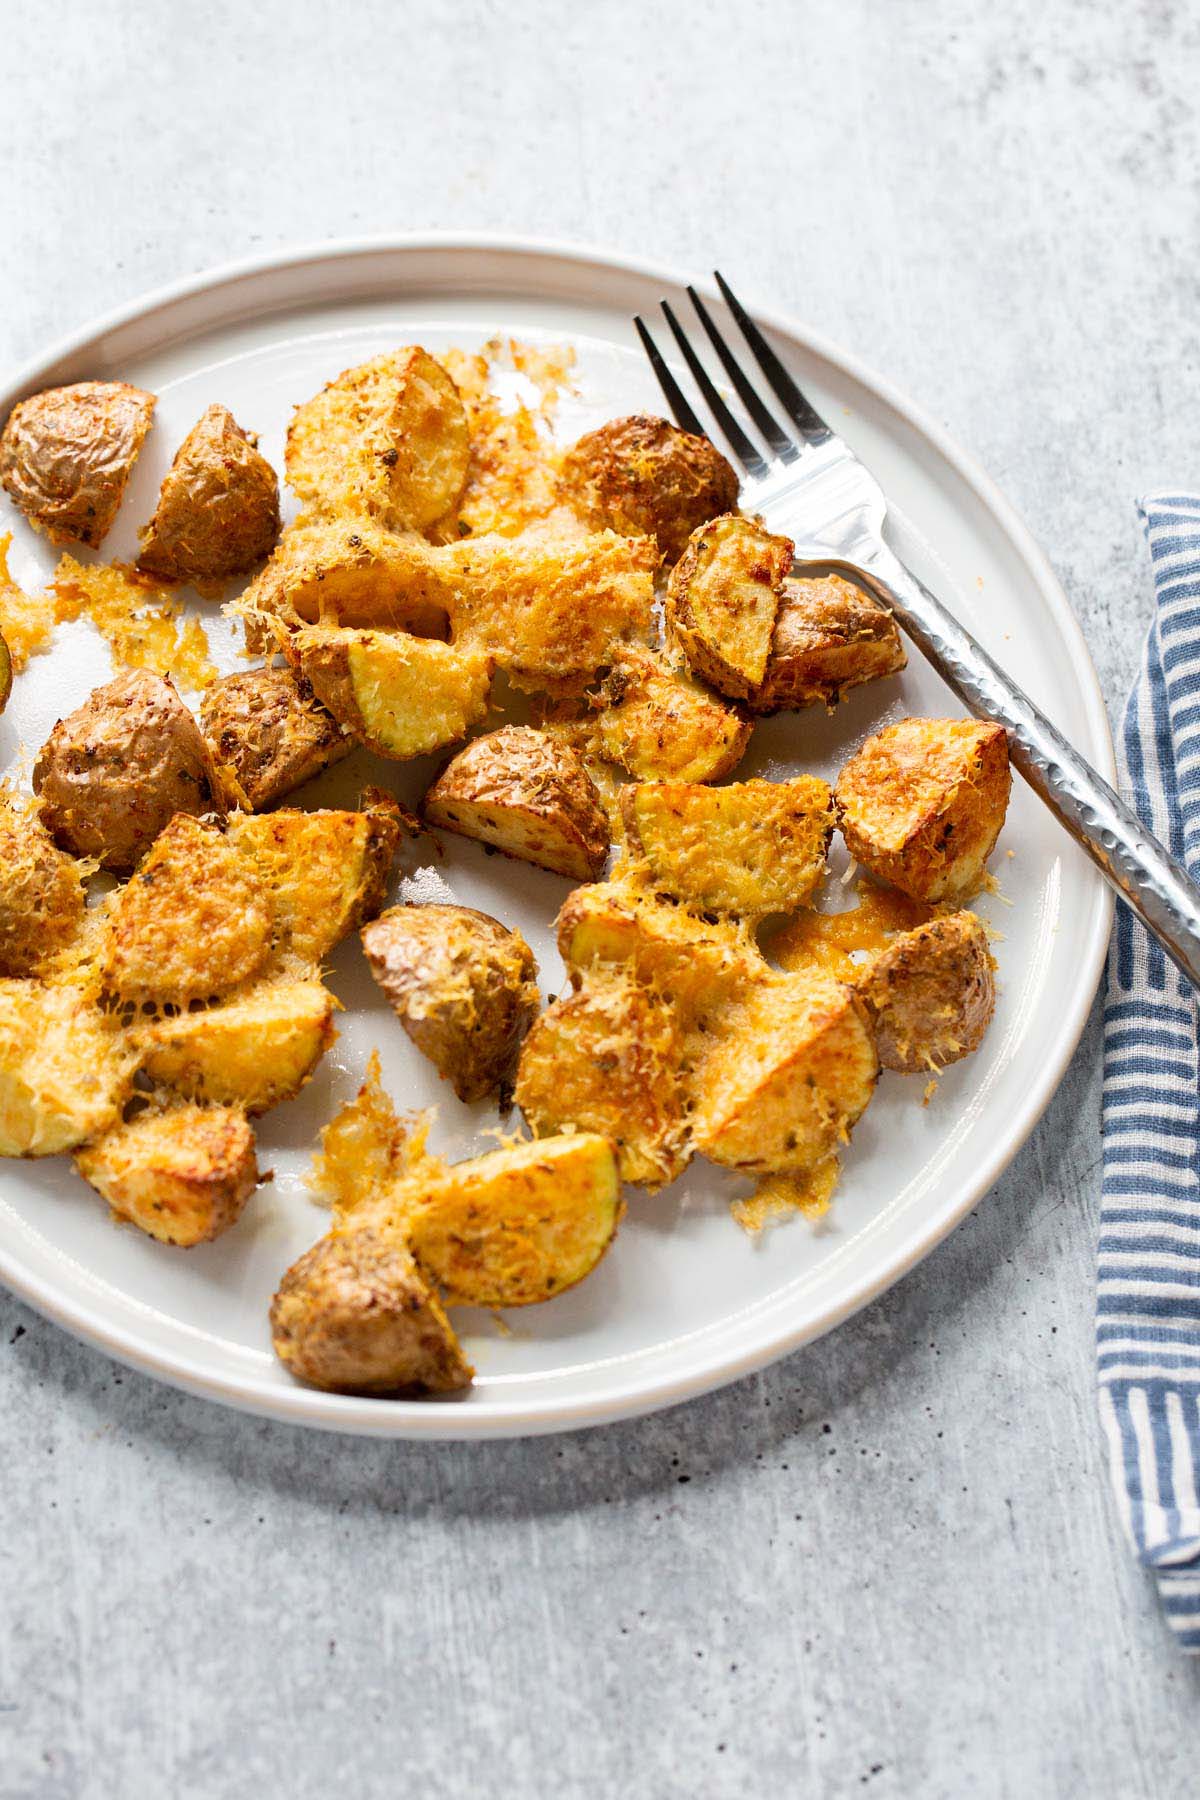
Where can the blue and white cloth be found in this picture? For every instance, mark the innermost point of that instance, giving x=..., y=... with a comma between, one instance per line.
x=1148, y=1304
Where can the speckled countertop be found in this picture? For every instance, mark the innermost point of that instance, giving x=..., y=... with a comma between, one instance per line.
x=888, y=1565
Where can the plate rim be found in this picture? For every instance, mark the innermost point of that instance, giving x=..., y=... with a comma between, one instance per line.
x=630, y=1398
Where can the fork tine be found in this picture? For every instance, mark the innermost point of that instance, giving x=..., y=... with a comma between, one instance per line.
x=784, y=447
x=802, y=414
x=684, y=416
x=745, y=451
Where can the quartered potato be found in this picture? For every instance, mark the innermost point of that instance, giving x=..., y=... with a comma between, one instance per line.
x=922, y=804
x=698, y=964
x=752, y=848
x=790, y=1072
x=829, y=636
x=218, y=507
x=356, y=1316
x=402, y=696
x=644, y=475
x=463, y=986
x=269, y=734
x=64, y=1070
x=388, y=440
x=66, y=455
x=353, y=572
x=182, y=1176
x=41, y=893
x=659, y=724
x=252, y=1052
x=931, y=994
x=6, y=672
x=519, y=1225
x=529, y=796
x=722, y=599
x=607, y=1059
x=114, y=772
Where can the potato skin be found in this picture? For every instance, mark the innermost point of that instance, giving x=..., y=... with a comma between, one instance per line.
x=659, y=724
x=829, y=636
x=528, y=795
x=355, y=1316
x=643, y=475
x=463, y=986
x=218, y=507
x=182, y=1176
x=114, y=772
x=66, y=456
x=722, y=600
x=269, y=731
x=931, y=994
x=6, y=672
x=41, y=894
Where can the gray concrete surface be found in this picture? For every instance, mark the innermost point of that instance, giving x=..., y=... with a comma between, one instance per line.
x=889, y=1565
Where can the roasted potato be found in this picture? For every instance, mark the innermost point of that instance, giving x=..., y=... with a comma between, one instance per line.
x=752, y=848
x=252, y=1052
x=66, y=455
x=922, y=804
x=114, y=772
x=64, y=1070
x=529, y=796
x=463, y=986
x=643, y=475
x=269, y=734
x=353, y=572
x=659, y=724
x=829, y=636
x=722, y=599
x=41, y=893
x=402, y=696
x=787, y=1075
x=931, y=994
x=182, y=1176
x=196, y=920
x=218, y=507
x=326, y=872
x=699, y=965
x=519, y=1225
x=388, y=440
x=355, y=1315
x=6, y=672
x=608, y=1059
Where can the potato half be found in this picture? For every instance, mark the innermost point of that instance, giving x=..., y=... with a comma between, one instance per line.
x=402, y=696
x=659, y=724
x=699, y=964
x=41, y=893
x=931, y=994
x=267, y=730
x=528, y=795
x=253, y=1052
x=644, y=475
x=218, y=507
x=353, y=572
x=66, y=455
x=722, y=599
x=829, y=636
x=182, y=1176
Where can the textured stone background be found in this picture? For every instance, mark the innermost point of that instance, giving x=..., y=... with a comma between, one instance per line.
x=889, y=1565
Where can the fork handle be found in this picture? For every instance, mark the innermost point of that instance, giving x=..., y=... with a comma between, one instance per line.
x=1153, y=884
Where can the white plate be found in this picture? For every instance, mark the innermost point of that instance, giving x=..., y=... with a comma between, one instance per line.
x=684, y=1301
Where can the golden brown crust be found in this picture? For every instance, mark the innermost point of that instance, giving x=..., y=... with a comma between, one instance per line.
x=402, y=696
x=528, y=795
x=931, y=994
x=182, y=1176
x=114, y=772
x=218, y=507
x=352, y=572
x=829, y=636
x=355, y=1316
x=41, y=894
x=659, y=724
x=64, y=1070
x=268, y=729
x=252, y=1052
x=643, y=475
x=722, y=599
x=463, y=986
x=66, y=456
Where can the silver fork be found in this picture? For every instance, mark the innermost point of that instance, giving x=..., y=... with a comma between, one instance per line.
x=809, y=484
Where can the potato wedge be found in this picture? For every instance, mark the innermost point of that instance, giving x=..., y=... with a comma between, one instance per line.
x=829, y=636
x=463, y=986
x=519, y=1225
x=528, y=795
x=355, y=1316
x=388, y=440
x=113, y=773
x=922, y=804
x=608, y=1060
x=218, y=507
x=182, y=1176
x=789, y=1073
x=752, y=848
x=326, y=873
x=269, y=733
x=402, y=696
x=931, y=994
x=697, y=964
x=659, y=724
x=722, y=600
x=64, y=1071
x=252, y=1052
x=6, y=672
x=643, y=475
x=353, y=572
x=41, y=893
x=66, y=455
x=195, y=920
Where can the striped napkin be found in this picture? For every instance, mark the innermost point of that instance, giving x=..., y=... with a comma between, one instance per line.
x=1148, y=1305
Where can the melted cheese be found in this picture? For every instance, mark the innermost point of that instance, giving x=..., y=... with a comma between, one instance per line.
x=144, y=626
x=26, y=620
x=829, y=943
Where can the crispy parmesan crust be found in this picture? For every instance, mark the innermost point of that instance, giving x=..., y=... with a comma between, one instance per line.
x=182, y=1176
x=659, y=724
x=402, y=696
x=722, y=599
